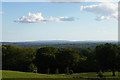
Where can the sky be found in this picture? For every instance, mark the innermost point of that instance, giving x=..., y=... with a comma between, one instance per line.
x=60, y=0
x=33, y=21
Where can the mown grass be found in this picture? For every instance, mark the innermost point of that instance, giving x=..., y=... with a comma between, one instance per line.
x=17, y=75
x=94, y=75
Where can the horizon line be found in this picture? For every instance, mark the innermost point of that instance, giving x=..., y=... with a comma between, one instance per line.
x=60, y=40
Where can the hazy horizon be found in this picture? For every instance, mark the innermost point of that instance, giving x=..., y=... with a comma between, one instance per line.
x=65, y=40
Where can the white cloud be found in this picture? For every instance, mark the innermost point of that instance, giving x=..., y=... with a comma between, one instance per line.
x=66, y=18
x=104, y=11
x=38, y=18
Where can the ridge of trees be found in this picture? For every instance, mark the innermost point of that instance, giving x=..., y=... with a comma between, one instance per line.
x=52, y=60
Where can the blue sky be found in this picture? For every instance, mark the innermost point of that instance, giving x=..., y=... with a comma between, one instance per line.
x=68, y=21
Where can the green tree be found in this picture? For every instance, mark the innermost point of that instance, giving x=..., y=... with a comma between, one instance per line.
x=45, y=58
x=106, y=56
x=67, y=58
x=16, y=58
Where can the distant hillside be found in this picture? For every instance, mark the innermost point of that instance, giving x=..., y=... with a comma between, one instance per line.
x=59, y=43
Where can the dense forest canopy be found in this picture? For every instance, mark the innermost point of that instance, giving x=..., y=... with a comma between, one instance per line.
x=53, y=60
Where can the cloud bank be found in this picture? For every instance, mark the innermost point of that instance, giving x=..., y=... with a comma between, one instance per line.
x=104, y=11
x=38, y=18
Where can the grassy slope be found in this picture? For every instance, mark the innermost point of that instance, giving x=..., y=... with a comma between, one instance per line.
x=17, y=74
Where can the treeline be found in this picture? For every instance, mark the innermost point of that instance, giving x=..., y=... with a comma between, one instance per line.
x=52, y=60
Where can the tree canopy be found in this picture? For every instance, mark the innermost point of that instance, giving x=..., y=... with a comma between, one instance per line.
x=105, y=57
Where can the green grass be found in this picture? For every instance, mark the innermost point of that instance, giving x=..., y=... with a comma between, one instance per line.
x=6, y=74
x=94, y=75
x=17, y=74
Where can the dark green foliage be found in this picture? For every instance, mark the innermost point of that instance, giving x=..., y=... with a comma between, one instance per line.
x=67, y=70
x=32, y=68
x=45, y=58
x=57, y=71
x=67, y=58
x=48, y=71
x=106, y=56
x=71, y=71
x=16, y=58
x=52, y=60
x=100, y=74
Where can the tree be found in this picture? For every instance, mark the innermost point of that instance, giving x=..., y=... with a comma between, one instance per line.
x=118, y=61
x=67, y=58
x=89, y=62
x=45, y=59
x=16, y=58
x=106, y=56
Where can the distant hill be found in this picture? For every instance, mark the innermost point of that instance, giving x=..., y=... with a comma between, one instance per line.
x=59, y=43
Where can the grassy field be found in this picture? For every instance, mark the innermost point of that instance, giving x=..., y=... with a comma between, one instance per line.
x=80, y=76
x=17, y=74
